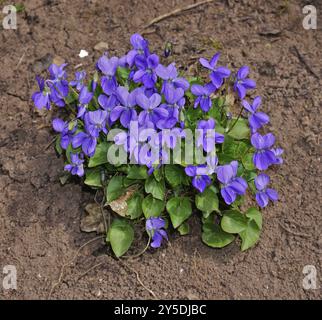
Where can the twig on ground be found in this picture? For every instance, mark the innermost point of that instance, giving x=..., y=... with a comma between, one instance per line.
x=89, y=270
x=174, y=12
x=21, y=59
x=138, y=278
x=303, y=60
x=43, y=126
x=65, y=265
x=50, y=143
x=78, y=66
x=298, y=234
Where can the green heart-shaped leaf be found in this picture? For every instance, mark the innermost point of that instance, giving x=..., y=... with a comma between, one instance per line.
x=207, y=201
x=175, y=175
x=254, y=214
x=100, y=156
x=179, y=210
x=214, y=236
x=184, y=229
x=93, y=177
x=157, y=189
x=152, y=207
x=250, y=235
x=114, y=188
x=240, y=130
x=134, y=206
x=137, y=172
x=121, y=235
x=233, y=221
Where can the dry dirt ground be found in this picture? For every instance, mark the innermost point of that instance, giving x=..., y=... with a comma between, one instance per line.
x=39, y=226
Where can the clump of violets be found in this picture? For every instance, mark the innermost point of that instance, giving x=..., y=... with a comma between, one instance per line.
x=173, y=146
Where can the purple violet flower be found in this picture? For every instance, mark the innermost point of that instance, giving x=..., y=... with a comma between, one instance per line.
x=151, y=110
x=79, y=80
x=76, y=166
x=263, y=157
x=125, y=111
x=278, y=152
x=242, y=83
x=212, y=163
x=108, y=68
x=63, y=128
x=168, y=137
x=208, y=137
x=175, y=101
x=58, y=83
x=256, y=119
x=57, y=72
x=146, y=70
x=218, y=73
x=200, y=176
x=86, y=141
x=155, y=229
x=41, y=98
x=95, y=122
x=264, y=193
x=170, y=76
x=140, y=48
x=108, y=104
x=231, y=185
x=203, y=95
x=55, y=97
x=84, y=99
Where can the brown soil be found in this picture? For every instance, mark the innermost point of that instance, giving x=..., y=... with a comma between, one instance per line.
x=39, y=228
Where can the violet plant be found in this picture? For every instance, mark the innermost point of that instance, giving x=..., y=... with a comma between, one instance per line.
x=165, y=147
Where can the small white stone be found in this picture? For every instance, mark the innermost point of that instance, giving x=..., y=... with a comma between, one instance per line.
x=83, y=53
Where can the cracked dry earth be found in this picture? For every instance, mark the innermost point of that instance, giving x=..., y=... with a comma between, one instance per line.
x=39, y=218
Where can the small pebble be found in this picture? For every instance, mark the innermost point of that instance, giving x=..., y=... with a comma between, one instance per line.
x=83, y=53
x=101, y=46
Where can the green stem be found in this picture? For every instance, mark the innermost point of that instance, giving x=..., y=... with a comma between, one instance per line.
x=69, y=106
x=239, y=115
x=140, y=253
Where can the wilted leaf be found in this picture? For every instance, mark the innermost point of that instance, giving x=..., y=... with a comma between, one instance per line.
x=120, y=205
x=229, y=100
x=64, y=178
x=93, y=220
